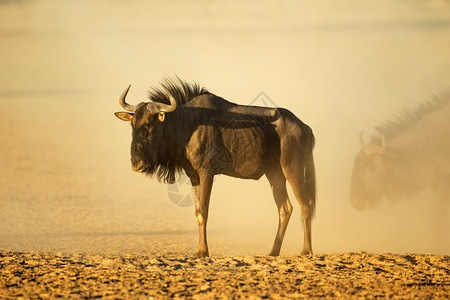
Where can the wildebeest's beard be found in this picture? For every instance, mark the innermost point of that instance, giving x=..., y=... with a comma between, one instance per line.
x=144, y=150
x=150, y=154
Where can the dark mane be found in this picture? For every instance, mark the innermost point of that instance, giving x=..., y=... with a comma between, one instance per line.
x=169, y=156
x=180, y=89
x=168, y=164
x=409, y=118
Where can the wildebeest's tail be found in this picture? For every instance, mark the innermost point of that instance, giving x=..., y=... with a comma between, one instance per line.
x=310, y=176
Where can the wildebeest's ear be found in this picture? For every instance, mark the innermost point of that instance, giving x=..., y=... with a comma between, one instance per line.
x=124, y=116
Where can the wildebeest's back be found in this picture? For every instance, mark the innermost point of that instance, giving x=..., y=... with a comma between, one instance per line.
x=234, y=140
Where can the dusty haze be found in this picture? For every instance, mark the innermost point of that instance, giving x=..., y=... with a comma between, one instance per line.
x=65, y=180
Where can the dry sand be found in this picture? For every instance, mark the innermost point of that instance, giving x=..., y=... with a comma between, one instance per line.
x=349, y=275
x=66, y=186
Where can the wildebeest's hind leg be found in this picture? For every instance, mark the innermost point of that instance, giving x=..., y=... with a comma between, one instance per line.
x=298, y=187
x=278, y=185
x=304, y=191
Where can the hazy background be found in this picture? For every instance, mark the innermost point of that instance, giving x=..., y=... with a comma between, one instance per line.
x=65, y=178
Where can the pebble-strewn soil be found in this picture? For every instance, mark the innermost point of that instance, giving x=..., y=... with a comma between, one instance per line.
x=349, y=275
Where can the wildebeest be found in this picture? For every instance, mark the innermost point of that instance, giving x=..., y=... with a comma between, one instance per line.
x=186, y=128
x=408, y=155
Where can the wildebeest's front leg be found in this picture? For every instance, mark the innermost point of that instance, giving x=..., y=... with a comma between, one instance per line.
x=201, y=186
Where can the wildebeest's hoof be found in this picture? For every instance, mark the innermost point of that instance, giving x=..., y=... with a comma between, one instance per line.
x=306, y=252
x=201, y=254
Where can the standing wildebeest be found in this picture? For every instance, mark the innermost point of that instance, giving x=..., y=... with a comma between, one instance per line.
x=186, y=128
x=410, y=154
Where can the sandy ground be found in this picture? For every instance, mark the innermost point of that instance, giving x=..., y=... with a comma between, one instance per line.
x=76, y=222
x=348, y=275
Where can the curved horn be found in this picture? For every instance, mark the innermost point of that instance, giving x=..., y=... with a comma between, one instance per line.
x=361, y=139
x=129, y=107
x=161, y=107
x=173, y=104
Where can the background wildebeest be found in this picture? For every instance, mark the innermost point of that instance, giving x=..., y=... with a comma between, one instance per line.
x=410, y=154
x=186, y=128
